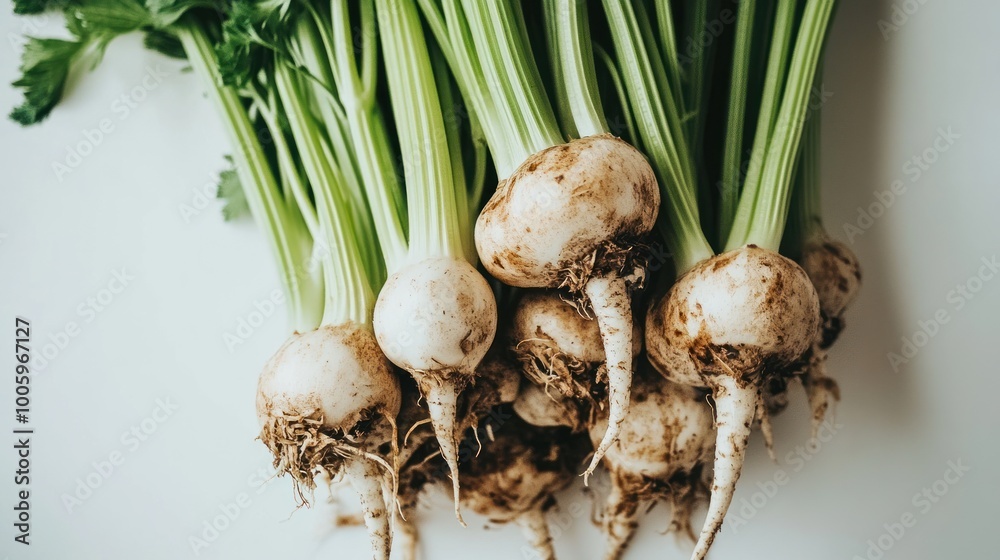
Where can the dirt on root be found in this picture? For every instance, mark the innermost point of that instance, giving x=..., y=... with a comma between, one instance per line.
x=684, y=492
x=831, y=329
x=546, y=365
x=749, y=364
x=520, y=468
x=301, y=446
x=584, y=254
x=627, y=255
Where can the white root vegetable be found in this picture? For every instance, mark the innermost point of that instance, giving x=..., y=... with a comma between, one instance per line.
x=565, y=215
x=665, y=444
x=406, y=537
x=327, y=401
x=606, y=199
x=732, y=323
x=436, y=319
x=836, y=274
x=436, y=316
x=620, y=518
x=561, y=351
x=549, y=410
x=516, y=475
x=416, y=473
x=497, y=383
x=368, y=480
x=417, y=470
x=558, y=347
x=535, y=529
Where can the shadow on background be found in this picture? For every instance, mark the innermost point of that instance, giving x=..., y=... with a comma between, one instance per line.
x=855, y=163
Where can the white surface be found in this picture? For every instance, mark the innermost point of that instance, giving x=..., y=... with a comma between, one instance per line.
x=162, y=337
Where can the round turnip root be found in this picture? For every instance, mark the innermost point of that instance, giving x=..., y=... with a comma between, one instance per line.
x=559, y=348
x=327, y=401
x=836, y=274
x=562, y=353
x=732, y=323
x=550, y=410
x=571, y=216
x=436, y=319
x=515, y=477
x=661, y=454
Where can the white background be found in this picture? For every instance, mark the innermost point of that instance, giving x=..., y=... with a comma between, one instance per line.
x=162, y=337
